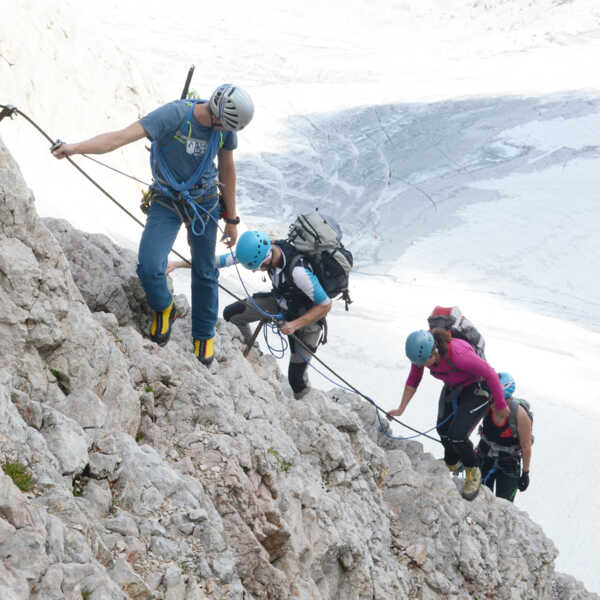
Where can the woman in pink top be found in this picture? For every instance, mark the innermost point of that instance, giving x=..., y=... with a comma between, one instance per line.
x=470, y=384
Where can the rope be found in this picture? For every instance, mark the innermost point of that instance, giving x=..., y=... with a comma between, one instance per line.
x=8, y=110
x=356, y=391
x=490, y=472
x=12, y=110
x=275, y=329
x=161, y=169
x=16, y=110
x=195, y=208
x=115, y=170
x=500, y=469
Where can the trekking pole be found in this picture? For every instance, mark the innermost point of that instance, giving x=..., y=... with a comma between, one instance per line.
x=186, y=87
x=254, y=336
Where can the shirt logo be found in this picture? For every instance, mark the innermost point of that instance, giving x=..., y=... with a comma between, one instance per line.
x=195, y=146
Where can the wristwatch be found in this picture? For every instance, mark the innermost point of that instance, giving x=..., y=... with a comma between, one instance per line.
x=235, y=221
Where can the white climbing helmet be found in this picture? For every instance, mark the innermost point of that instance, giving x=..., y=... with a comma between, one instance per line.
x=232, y=106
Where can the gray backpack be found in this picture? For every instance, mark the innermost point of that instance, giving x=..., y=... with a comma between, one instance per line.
x=512, y=417
x=451, y=319
x=319, y=238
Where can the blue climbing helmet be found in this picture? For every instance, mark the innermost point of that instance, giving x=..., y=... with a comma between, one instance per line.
x=252, y=249
x=508, y=384
x=419, y=346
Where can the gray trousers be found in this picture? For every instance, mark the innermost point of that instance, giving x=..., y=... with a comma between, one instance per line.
x=242, y=314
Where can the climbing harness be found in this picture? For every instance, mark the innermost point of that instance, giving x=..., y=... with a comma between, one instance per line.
x=164, y=177
x=189, y=191
x=272, y=320
x=495, y=452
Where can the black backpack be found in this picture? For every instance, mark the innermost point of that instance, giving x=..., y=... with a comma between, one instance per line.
x=319, y=239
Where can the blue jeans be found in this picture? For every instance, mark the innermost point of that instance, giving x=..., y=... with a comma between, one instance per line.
x=162, y=226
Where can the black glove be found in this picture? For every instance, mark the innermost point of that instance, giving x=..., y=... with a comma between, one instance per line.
x=524, y=481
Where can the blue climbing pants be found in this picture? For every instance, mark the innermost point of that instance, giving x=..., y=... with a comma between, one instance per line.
x=162, y=226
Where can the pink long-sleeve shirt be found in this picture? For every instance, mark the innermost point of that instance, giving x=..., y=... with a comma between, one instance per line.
x=466, y=368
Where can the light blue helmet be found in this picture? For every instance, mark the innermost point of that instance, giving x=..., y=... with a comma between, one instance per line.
x=508, y=384
x=252, y=249
x=419, y=346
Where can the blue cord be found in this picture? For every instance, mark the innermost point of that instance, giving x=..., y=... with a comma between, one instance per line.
x=492, y=470
x=279, y=353
x=274, y=328
x=160, y=166
x=497, y=467
x=195, y=207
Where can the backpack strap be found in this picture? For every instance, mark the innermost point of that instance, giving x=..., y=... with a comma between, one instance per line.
x=291, y=265
x=288, y=289
x=453, y=367
x=512, y=417
x=514, y=449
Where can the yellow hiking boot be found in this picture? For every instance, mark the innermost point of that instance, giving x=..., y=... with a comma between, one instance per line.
x=456, y=468
x=204, y=350
x=160, y=330
x=472, y=483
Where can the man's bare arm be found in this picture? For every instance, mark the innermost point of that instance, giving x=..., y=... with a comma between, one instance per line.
x=103, y=143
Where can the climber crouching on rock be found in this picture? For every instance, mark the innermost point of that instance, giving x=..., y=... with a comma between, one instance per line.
x=297, y=297
x=470, y=381
x=297, y=294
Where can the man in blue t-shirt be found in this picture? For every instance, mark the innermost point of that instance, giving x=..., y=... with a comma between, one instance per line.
x=187, y=136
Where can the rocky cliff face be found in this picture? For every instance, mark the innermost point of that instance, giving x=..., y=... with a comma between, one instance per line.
x=153, y=477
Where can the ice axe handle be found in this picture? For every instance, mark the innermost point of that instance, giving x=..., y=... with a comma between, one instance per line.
x=254, y=336
x=186, y=87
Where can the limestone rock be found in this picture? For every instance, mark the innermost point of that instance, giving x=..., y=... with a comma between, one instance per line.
x=154, y=477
